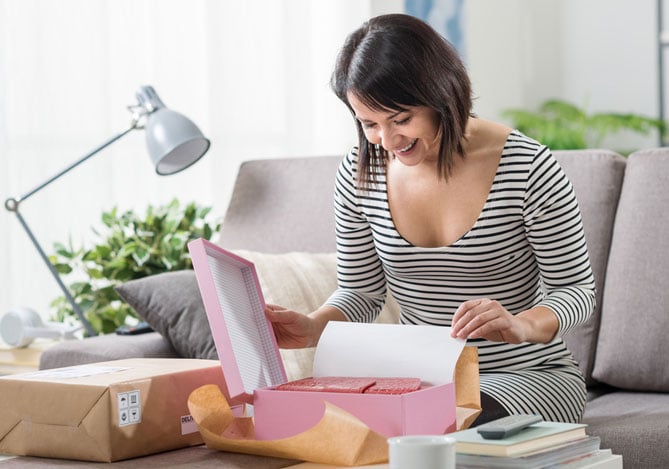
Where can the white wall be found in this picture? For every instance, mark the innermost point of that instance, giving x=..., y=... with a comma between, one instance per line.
x=254, y=76
x=598, y=54
x=513, y=53
x=615, y=66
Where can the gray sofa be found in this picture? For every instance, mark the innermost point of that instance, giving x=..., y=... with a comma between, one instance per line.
x=285, y=205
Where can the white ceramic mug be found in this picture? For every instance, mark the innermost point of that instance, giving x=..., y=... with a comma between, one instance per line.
x=422, y=452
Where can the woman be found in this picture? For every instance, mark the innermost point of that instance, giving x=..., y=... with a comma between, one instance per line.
x=469, y=223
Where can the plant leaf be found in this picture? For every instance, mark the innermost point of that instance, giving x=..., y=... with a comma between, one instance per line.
x=126, y=247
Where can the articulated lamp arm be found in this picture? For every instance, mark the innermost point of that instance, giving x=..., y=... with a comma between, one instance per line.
x=174, y=143
x=13, y=205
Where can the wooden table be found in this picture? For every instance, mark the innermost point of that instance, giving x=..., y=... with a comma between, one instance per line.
x=20, y=360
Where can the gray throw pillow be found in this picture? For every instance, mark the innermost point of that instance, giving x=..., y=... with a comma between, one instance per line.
x=171, y=303
x=632, y=347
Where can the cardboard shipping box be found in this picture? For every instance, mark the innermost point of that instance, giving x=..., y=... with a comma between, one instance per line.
x=104, y=411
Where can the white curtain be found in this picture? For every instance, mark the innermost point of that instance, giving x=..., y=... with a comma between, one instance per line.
x=253, y=75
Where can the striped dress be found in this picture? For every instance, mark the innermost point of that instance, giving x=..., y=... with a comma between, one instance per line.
x=527, y=248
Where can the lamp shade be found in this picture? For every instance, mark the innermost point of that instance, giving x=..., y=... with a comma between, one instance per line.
x=174, y=141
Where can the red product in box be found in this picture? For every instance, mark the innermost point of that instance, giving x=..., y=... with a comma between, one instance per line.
x=353, y=385
x=329, y=384
x=394, y=386
x=253, y=368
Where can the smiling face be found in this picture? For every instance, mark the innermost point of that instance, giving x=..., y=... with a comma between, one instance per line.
x=398, y=62
x=411, y=134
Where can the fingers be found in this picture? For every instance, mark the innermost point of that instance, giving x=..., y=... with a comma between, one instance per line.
x=291, y=329
x=464, y=308
x=480, y=318
x=277, y=314
x=273, y=308
x=463, y=315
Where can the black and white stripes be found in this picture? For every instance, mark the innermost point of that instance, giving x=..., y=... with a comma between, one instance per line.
x=526, y=248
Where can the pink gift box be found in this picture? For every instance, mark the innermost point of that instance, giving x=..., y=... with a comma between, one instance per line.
x=279, y=414
x=252, y=364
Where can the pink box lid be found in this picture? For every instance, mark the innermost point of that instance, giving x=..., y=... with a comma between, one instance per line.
x=233, y=300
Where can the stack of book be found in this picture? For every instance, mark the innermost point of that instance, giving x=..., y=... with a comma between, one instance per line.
x=541, y=445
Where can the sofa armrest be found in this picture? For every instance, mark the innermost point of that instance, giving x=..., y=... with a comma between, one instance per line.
x=105, y=348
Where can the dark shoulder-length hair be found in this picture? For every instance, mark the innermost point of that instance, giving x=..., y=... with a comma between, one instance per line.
x=395, y=61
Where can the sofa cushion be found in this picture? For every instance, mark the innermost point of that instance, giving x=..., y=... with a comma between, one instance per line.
x=170, y=302
x=597, y=177
x=632, y=345
x=102, y=348
x=632, y=424
x=172, y=305
x=292, y=196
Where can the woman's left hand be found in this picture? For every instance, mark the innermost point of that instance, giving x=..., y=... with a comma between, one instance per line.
x=488, y=319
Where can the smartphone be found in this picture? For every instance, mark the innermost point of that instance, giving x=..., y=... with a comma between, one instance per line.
x=139, y=328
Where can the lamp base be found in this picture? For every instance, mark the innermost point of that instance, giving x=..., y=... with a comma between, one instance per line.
x=20, y=326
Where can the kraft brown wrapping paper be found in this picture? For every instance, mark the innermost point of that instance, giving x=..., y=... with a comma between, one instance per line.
x=467, y=390
x=339, y=438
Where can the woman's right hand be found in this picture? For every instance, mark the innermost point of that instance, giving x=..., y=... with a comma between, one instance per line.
x=292, y=329
x=295, y=330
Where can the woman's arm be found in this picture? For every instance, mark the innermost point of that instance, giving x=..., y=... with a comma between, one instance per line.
x=361, y=280
x=362, y=283
x=555, y=232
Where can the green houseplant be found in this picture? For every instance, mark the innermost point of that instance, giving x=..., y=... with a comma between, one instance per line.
x=561, y=125
x=128, y=247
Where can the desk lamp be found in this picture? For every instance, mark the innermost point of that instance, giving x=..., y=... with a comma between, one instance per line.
x=174, y=143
